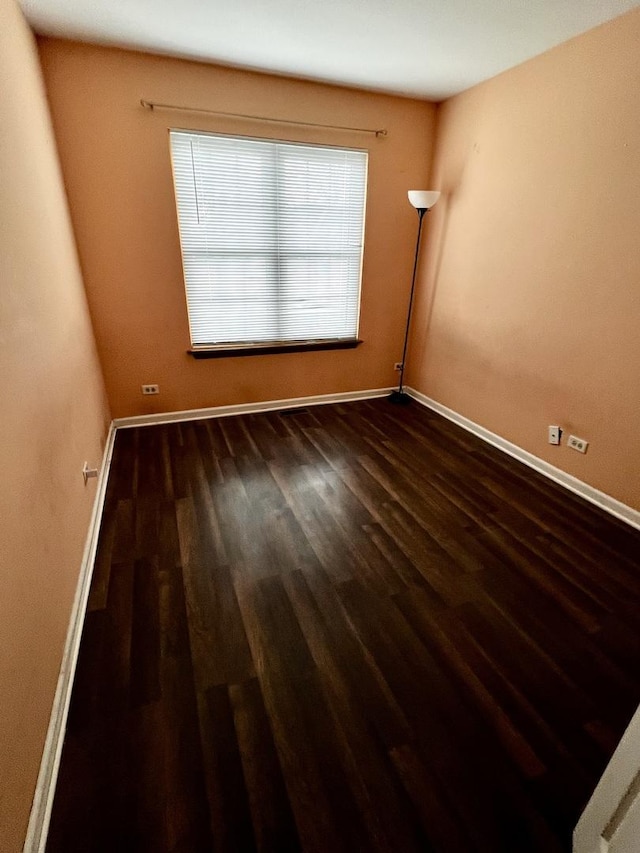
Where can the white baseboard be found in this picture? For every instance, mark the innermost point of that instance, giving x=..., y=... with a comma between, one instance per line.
x=248, y=408
x=45, y=787
x=573, y=484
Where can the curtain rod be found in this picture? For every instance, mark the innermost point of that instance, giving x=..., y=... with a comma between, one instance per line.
x=153, y=105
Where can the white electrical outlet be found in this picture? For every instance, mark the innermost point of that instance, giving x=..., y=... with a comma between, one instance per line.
x=150, y=389
x=578, y=444
x=397, y=365
x=554, y=434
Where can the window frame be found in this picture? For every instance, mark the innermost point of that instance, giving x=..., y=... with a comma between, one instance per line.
x=244, y=348
x=237, y=348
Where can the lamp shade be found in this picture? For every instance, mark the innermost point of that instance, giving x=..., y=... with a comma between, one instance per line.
x=423, y=199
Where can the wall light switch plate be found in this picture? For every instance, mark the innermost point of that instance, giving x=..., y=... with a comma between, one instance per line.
x=554, y=434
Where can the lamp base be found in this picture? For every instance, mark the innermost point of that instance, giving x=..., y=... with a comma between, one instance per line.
x=399, y=398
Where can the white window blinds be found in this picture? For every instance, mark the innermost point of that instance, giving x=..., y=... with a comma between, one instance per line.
x=271, y=237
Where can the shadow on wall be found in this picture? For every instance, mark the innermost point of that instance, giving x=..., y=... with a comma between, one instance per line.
x=428, y=280
x=450, y=186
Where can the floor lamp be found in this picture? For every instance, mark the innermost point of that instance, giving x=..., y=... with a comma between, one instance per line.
x=423, y=201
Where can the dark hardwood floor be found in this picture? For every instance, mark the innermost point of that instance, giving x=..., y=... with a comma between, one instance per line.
x=348, y=628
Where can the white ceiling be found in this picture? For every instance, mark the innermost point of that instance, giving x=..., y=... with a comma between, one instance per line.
x=423, y=48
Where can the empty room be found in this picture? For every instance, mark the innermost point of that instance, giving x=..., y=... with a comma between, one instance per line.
x=319, y=363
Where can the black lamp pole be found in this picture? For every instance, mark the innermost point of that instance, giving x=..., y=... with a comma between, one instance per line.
x=399, y=396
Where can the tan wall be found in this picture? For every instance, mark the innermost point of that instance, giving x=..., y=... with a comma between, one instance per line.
x=529, y=313
x=54, y=417
x=115, y=158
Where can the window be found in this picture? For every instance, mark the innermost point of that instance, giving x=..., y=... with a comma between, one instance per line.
x=271, y=236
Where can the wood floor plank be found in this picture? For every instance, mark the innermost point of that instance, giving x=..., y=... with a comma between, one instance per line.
x=273, y=823
x=349, y=627
x=287, y=675
x=217, y=634
x=231, y=824
x=358, y=667
x=186, y=815
x=102, y=566
x=145, y=635
x=371, y=781
x=333, y=550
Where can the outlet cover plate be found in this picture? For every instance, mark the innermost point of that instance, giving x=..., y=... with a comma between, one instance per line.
x=578, y=444
x=150, y=389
